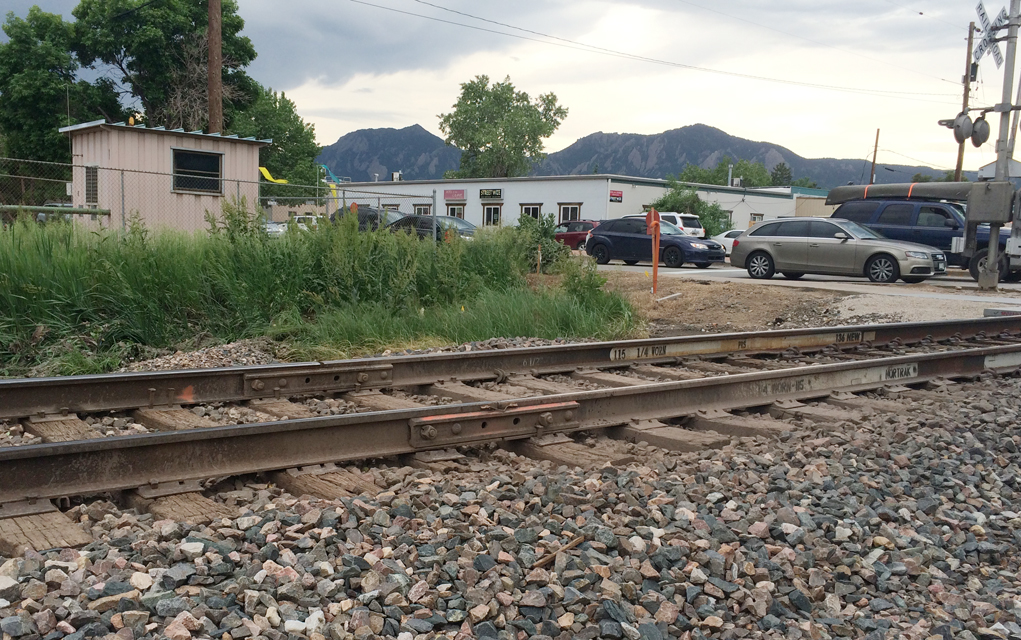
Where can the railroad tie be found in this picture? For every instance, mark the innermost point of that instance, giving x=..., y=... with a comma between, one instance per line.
x=172, y=419
x=191, y=507
x=716, y=367
x=608, y=379
x=847, y=400
x=665, y=436
x=540, y=385
x=325, y=481
x=59, y=428
x=815, y=413
x=561, y=450
x=39, y=532
x=729, y=424
x=667, y=373
x=464, y=393
x=376, y=401
x=282, y=409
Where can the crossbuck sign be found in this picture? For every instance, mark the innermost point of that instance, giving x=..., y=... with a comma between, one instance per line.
x=988, y=42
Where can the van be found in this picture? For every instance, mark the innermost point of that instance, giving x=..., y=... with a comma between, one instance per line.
x=686, y=222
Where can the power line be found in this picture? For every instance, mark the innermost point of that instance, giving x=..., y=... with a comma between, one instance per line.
x=816, y=42
x=571, y=44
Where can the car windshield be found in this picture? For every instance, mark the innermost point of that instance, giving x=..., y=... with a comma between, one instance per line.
x=691, y=221
x=667, y=229
x=859, y=231
x=455, y=223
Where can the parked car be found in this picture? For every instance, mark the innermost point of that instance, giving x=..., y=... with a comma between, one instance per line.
x=370, y=219
x=686, y=222
x=423, y=226
x=727, y=239
x=830, y=246
x=274, y=229
x=574, y=233
x=932, y=223
x=306, y=222
x=628, y=239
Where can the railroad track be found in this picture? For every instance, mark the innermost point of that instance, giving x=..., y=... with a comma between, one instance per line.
x=673, y=393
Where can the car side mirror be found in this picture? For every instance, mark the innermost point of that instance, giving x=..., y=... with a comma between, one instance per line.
x=952, y=224
x=840, y=235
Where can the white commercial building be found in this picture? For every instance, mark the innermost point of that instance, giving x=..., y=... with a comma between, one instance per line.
x=501, y=201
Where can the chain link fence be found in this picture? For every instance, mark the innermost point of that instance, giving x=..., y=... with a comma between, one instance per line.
x=116, y=197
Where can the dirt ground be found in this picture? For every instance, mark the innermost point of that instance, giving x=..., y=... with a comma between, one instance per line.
x=683, y=306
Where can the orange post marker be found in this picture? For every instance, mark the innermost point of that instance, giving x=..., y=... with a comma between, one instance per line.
x=652, y=224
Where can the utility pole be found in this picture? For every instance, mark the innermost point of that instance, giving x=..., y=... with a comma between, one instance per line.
x=875, y=152
x=215, y=90
x=967, y=93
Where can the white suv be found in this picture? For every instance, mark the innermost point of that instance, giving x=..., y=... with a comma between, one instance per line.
x=686, y=222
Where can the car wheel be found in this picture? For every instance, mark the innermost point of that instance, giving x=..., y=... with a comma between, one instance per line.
x=882, y=268
x=913, y=280
x=581, y=246
x=791, y=275
x=978, y=262
x=630, y=263
x=601, y=254
x=760, y=266
x=673, y=257
x=702, y=265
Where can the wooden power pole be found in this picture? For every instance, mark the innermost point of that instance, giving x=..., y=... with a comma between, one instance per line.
x=875, y=152
x=967, y=92
x=215, y=91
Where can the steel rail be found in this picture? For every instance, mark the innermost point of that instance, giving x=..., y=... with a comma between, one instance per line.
x=48, y=471
x=22, y=398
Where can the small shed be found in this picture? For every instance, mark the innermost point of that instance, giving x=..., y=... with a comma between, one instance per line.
x=168, y=178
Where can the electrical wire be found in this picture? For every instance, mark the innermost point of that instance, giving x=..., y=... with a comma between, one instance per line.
x=130, y=11
x=570, y=44
x=815, y=42
x=897, y=153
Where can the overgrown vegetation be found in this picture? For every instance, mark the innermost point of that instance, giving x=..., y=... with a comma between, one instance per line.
x=78, y=301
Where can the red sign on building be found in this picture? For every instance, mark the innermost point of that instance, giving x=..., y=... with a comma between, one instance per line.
x=453, y=194
x=616, y=196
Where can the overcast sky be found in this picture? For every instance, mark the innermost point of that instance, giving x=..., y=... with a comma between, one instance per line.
x=753, y=68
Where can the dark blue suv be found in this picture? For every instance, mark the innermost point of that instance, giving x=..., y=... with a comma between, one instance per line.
x=935, y=224
x=627, y=239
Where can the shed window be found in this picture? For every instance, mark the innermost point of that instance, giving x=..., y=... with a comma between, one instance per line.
x=455, y=210
x=533, y=210
x=491, y=215
x=92, y=186
x=197, y=171
x=423, y=209
x=570, y=212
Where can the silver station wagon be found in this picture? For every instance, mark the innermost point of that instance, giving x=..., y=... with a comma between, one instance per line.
x=831, y=246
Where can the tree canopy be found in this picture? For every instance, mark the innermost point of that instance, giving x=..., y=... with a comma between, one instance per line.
x=781, y=175
x=752, y=174
x=684, y=199
x=499, y=129
x=40, y=90
x=948, y=176
x=160, y=52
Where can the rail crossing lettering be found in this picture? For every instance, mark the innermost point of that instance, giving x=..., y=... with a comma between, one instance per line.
x=901, y=371
x=787, y=385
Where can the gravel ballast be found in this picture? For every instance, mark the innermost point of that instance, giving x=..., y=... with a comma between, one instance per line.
x=893, y=526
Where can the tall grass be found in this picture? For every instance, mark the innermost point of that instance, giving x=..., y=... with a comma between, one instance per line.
x=81, y=300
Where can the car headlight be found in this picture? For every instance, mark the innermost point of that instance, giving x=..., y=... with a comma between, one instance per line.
x=916, y=254
x=698, y=245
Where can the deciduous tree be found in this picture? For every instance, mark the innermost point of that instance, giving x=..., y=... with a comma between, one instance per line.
x=499, y=129
x=684, y=199
x=752, y=174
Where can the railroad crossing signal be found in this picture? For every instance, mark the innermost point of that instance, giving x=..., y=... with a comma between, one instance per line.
x=988, y=42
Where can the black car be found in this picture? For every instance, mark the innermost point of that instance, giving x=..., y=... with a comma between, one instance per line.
x=370, y=219
x=423, y=226
x=628, y=239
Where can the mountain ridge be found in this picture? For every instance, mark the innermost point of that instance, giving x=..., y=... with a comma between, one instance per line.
x=369, y=154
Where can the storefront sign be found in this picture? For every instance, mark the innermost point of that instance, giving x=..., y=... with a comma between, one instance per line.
x=491, y=194
x=453, y=194
x=616, y=196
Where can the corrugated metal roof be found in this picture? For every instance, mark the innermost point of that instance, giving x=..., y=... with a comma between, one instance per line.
x=141, y=127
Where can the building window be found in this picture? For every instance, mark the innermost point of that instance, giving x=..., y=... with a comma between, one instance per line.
x=197, y=171
x=491, y=215
x=389, y=207
x=455, y=210
x=756, y=217
x=423, y=209
x=92, y=186
x=534, y=210
x=570, y=212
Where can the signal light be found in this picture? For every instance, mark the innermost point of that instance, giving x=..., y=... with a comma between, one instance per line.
x=980, y=132
x=962, y=128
